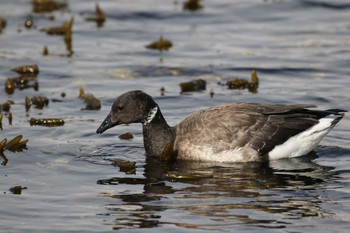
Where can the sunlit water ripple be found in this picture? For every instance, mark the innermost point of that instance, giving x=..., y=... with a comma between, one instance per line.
x=300, y=50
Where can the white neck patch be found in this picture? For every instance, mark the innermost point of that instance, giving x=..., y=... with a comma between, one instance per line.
x=150, y=116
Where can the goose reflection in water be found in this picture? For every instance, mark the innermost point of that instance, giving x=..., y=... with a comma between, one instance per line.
x=208, y=195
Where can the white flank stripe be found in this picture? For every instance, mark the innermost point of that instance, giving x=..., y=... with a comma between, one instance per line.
x=305, y=142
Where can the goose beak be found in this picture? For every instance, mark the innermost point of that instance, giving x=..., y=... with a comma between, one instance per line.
x=106, y=124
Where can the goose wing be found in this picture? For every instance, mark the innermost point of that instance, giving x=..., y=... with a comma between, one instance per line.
x=260, y=126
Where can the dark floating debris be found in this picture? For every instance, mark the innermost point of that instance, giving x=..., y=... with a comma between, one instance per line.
x=60, y=30
x=1, y=116
x=126, y=136
x=23, y=82
x=92, y=102
x=194, y=85
x=162, y=91
x=125, y=166
x=5, y=106
x=47, y=122
x=64, y=30
x=42, y=6
x=161, y=44
x=45, y=51
x=2, y=23
x=17, y=189
x=27, y=69
x=27, y=103
x=10, y=118
x=40, y=101
x=100, y=17
x=14, y=145
x=241, y=84
x=192, y=5
x=212, y=93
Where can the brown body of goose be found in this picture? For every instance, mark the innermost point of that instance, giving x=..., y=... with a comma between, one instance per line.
x=235, y=132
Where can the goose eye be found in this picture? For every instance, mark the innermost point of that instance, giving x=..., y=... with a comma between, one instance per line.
x=120, y=108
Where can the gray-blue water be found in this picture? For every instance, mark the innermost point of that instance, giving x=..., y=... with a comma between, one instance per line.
x=300, y=49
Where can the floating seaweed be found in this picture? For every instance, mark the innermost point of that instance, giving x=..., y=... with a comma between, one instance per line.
x=192, y=5
x=60, y=30
x=241, y=84
x=41, y=6
x=68, y=36
x=125, y=166
x=27, y=103
x=64, y=30
x=161, y=44
x=40, y=101
x=14, y=145
x=126, y=136
x=9, y=86
x=92, y=102
x=27, y=69
x=10, y=118
x=162, y=91
x=212, y=93
x=5, y=106
x=194, y=85
x=2, y=23
x=47, y=122
x=22, y=82
x=45, y=51
x=100, y=17
x=17, y=189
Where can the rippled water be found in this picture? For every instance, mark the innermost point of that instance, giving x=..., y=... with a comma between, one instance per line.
x=300, y=50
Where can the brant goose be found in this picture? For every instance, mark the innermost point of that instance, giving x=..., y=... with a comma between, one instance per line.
x=236, y=132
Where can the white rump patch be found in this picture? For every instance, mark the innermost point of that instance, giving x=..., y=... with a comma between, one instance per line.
x=150, y=116
x=304, y=142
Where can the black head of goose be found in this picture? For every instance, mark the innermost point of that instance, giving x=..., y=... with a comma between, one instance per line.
x=235, y=132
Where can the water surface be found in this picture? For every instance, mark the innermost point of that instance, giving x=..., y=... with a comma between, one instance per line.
x=300, y=50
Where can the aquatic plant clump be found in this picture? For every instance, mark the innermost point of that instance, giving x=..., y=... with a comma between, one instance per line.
x=161, y=44
x=14, y=145
x=92, y=102
x=47, y=122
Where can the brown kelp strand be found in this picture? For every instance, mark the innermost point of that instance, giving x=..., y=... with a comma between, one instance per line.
x=47, y=122
x=63, y=29
x=192, y=5
x=45, y=51
x=125, y=166
x=41, y=6
x=212, y=93
x=40, y=101
x=2, y=23
x=126, y=136
x=161, y=44
x=27, y=69
x=162, y=91
x=27, y=103
x=100, y=17
x=10, y=118
x=1, y=120
x=194, y=85
x=92, y=102
x=5, y=107
x=17, y=190
x=22, y=82
x=14, y=145
x=241, y=84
